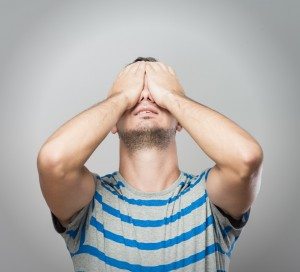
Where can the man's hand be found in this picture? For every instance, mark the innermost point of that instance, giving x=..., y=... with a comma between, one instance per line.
x=162, y=81
x=130, y=82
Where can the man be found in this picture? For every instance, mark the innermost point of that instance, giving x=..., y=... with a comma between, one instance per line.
x=150, y=215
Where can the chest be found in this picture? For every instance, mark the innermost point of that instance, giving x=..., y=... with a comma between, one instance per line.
x=147, y=229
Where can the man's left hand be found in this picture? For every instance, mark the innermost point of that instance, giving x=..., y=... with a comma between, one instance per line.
x=162, y=81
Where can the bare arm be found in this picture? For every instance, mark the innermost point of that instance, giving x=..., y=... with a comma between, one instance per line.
x=66, y=183
x=220, y=138
x=234, y=181
x=74, y=142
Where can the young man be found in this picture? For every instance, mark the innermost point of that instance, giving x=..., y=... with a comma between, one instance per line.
x=150, y=215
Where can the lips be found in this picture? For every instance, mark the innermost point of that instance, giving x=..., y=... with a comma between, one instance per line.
x=142, y=113
x=145, y=108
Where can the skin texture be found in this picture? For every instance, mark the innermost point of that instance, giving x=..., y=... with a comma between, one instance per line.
x=146, y=138
x=145, y=133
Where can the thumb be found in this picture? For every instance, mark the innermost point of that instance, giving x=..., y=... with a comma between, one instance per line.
x=142, y=68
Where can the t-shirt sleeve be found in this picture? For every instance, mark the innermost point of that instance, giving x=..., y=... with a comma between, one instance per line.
x=74, y=230
x=74, y=223
x=227, y=228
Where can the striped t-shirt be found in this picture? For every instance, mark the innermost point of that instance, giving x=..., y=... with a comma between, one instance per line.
x=125, y=229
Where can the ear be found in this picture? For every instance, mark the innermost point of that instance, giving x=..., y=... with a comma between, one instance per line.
x=178, y=127
x=114, y=129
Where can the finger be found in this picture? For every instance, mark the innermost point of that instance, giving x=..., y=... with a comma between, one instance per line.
x=129, y=67
x=155, y=66
x=141, y=68
x=123, y=71
x=171, y=71
x=133, y=67
x=149, y=67
x=162, y=66
x=120, y=73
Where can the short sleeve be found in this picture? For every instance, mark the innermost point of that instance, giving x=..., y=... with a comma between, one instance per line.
x=74, y=231
x=74, y=224
x=227, y=228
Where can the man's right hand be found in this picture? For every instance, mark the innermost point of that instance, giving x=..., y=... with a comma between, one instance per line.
x=130, y=82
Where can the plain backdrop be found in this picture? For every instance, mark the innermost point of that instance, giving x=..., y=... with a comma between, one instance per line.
x=240, y=58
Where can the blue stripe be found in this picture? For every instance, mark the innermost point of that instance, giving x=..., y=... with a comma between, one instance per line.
x=225, y=231
x=82, y=234
x=120, y=184
x=232, y=246
x=154, y=202
x=137, y=267
x=189, y=176
x=113, y=175
x=151, y=223
x=151, y=246
x=229, y=253
x=206, y=172
x=246, y=215
x=228, y=228
x=72, y=233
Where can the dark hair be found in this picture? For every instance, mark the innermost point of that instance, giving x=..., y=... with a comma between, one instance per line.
x=142, y=59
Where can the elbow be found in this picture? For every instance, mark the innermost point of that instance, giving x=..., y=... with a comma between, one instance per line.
x=49, y=159
x=253, y=160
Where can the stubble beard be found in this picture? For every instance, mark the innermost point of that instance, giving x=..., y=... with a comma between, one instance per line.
x=147, y=138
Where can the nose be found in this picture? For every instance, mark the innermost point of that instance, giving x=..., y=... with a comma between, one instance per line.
x=145, y=94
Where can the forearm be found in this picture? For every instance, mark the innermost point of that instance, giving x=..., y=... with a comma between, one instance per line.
x=72, y=144
x=221, y=139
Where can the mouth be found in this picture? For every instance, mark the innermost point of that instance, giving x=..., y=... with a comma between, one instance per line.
x=145, y=109
x=143, y=113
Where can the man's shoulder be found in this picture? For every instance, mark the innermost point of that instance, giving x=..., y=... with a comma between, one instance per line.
x=195, y=178
x=108, y=177
x=108, y=181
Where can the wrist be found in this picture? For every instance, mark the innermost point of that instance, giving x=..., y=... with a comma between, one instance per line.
x=170, y=99
x=119, y=99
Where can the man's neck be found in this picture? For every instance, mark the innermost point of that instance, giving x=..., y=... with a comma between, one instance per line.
x=150, y=170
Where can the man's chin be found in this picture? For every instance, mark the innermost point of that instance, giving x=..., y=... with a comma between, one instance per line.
x=147, y=137
x=146, y=128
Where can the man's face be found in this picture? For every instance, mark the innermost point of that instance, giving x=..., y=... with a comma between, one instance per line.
x=146, y=130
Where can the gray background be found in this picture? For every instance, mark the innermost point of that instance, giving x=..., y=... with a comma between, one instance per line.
x=58, y=58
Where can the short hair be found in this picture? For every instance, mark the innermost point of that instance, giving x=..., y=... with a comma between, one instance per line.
x=142, y=59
